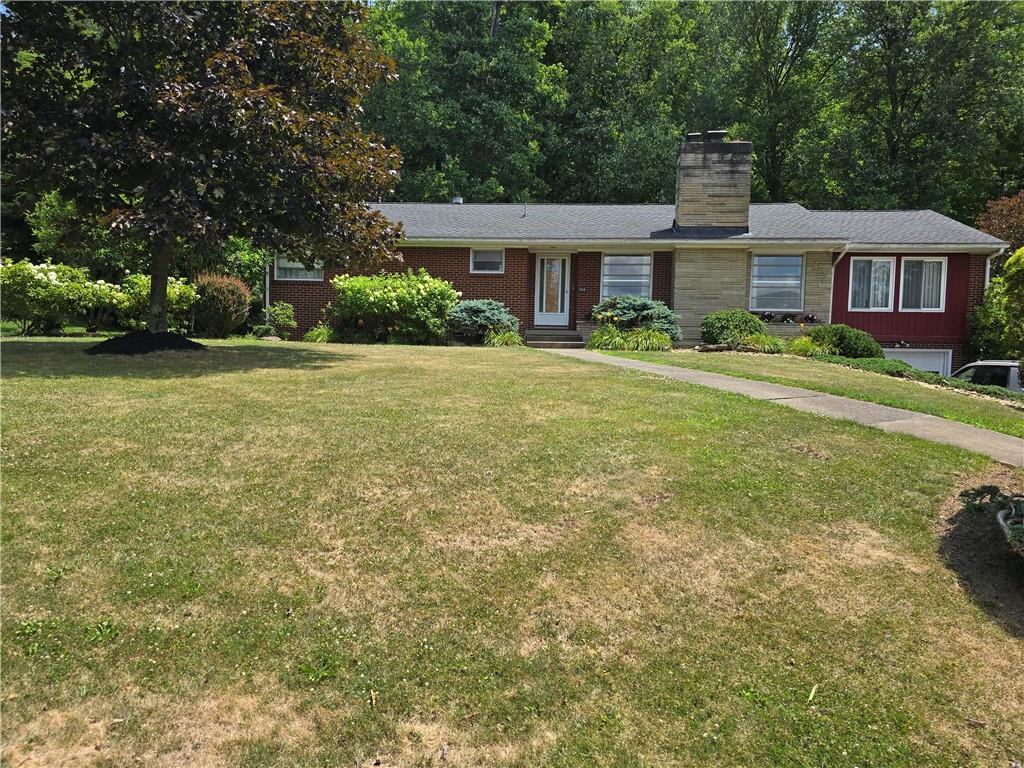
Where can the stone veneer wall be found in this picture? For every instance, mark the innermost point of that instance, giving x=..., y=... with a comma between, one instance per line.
x=710, y=279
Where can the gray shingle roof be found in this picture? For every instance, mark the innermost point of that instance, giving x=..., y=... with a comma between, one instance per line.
x=581, y=223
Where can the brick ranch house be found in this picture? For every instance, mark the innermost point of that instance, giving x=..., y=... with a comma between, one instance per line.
x=910, y=278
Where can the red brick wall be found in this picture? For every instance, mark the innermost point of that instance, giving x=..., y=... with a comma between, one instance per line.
x=514, y=288
x=975, y=281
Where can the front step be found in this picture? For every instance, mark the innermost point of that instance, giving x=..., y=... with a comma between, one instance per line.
x=549, y=344
x=554, y=338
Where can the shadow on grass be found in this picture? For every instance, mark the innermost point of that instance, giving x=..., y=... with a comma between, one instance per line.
x=66, y=358
x=975, y=548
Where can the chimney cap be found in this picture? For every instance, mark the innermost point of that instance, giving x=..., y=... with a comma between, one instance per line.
x=719, y=135
x=692, y=137
x=456, y=200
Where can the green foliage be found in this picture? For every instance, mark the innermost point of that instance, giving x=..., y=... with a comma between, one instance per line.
x=222, y=306
x=805, y=346
x=607, y=337
x=846, y=341
x=1013, y=284
x=473, y=319
x=173, y=123
x=903, y=370
x=989, y=327
x=647, y=340
x=581, y=101
x=261, y=330
x=39, y=297
x=281, y=318
x=477, y=75
x=64, y=236
x=319, y=334
x=397, y=308
x=728, y=326
x=133, y=303
x=764, y=343
x=97, y=302
x=627, y=312
x=503, y=339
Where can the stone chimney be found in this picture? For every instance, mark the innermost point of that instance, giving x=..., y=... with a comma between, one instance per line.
x=713, y=182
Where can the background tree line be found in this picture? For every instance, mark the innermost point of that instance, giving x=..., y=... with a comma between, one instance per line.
x=849, y=105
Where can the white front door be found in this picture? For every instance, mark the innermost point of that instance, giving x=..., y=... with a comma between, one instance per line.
x=552, y=301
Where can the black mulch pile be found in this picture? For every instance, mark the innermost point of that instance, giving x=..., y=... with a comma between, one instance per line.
x=142, y=342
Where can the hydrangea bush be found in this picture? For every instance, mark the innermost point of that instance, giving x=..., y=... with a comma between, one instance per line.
x=398, y=308
x=132, y=303
x=40, y=297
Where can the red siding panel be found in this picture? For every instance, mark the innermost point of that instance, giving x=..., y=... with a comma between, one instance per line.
x=943, y=329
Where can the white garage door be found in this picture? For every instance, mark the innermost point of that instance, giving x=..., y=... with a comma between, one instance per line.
x=933, y=360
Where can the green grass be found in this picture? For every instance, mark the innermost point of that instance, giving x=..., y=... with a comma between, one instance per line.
x=985, y=412
x=312, y=555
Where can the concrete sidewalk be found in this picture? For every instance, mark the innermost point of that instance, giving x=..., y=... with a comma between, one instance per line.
x=1004, y=448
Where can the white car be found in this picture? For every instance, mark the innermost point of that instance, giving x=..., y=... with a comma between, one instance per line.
x=997, y=373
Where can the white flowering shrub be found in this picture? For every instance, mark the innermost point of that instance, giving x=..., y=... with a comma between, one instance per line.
x=132, y=302
x=40, y=297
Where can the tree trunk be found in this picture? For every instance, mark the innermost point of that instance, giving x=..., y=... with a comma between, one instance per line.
x=157, y=320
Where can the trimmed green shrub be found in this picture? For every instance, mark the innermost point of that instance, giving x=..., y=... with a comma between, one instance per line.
x=902, y=370
x=133, y=303
x=846, y=341
x=281, y=318
x=40, y=297
x=503, y=339
x=607, y=337
x=473, y=319
x=764, y=343
x=222, y=306
x=647, y=340
x=805, y=346
x=728, y=326
x=259, y=331
x=397, y=308
x=319, y=334
x=625, y=312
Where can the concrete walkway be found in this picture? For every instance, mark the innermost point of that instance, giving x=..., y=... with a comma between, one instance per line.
x=1004, y=448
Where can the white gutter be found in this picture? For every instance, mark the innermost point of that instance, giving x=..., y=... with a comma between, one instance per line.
x=923, y=247
x=832, y=282
x=633, y=244
x=667, y=245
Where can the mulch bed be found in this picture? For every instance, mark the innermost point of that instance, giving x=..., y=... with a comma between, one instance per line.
x=144, y=342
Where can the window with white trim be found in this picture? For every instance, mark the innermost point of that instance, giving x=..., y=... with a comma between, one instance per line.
x=777, y=283
x=871, y=284
x=923, y=288
x=286, y=269
x=626, y=275
x=487, y=262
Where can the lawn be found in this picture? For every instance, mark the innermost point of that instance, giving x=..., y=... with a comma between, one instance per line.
x=985, y=412
x=335, y=555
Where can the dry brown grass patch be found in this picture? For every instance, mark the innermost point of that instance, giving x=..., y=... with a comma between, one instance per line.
x=159, y=730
